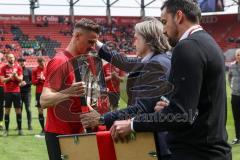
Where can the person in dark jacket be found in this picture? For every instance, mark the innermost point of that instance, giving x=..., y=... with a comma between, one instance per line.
x=195, y=116
x=25, y=90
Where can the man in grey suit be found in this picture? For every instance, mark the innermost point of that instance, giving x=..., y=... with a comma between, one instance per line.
x=147, y=80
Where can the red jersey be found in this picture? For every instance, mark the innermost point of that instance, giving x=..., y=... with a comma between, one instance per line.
x=12, y=86
x=113, y=84
x=38, y=78
x=64, y=117
x=1, y=65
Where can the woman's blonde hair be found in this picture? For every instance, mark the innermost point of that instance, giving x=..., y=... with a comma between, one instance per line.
x=152, y=31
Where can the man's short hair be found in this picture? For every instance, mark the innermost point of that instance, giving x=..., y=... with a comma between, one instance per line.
x=21, y=59
x=87, y=24
x=40, y=59
x=8, y=54
x=189, y=7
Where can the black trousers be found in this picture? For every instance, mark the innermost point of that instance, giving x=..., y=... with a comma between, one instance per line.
x=26, y=100
x=53, y=147
x=1, y=103
x=236, y=114
x=164, y=151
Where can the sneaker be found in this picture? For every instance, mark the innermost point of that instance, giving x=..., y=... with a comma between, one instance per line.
x=40, y=135
x=236, y=141
x=20, y=133
x=5, y=133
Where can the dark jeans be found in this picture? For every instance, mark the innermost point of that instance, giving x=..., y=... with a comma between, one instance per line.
x=1, y=103
x=26, y=100
x=53, y=147
x=37, y=102
x=236, y=114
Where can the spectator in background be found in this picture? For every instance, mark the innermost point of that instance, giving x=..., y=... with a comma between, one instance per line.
x=1, y=31
x=1, y=94
x=38, y=80
x=2, y=38
x=234, y=80
x=61, y=19
x=25, y=89
x=45, y=23
x=36, y=47
x=11, y=75
x=219, y=5
x=113, y=77
x=211, y=5
x=207, y=5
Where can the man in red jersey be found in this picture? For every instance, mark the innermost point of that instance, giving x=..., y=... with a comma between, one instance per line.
x=1, y=94
x=11, y=75
x=38, y=80
x=113, y=77
x=61, y=93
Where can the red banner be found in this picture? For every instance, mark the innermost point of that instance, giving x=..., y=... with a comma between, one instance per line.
x=214, y=19
x=50, y=19
x=14, y=19
x=54, y=19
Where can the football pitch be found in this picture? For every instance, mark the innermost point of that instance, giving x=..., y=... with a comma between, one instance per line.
x=28, y=147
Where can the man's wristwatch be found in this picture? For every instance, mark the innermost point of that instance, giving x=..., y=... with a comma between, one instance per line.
x=101, y=120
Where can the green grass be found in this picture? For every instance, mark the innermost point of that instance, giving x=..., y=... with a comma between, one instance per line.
x=30, y=148
x=25, y=147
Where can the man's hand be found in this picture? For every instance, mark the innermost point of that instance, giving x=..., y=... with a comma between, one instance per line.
x=76, y=89
x=160, y=105
x=90, y=119
x=42, y=78
x=13, y=75
x=114, y=74
x=23, y=83
x=121, y=130
x=98, y=45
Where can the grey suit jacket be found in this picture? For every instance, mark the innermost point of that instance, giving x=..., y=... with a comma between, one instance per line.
x=147, y=82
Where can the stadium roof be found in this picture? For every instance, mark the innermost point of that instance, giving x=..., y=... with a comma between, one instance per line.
x=92, y=7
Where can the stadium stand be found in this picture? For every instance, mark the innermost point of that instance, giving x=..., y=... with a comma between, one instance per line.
x=48, y=36
x=218, y=26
